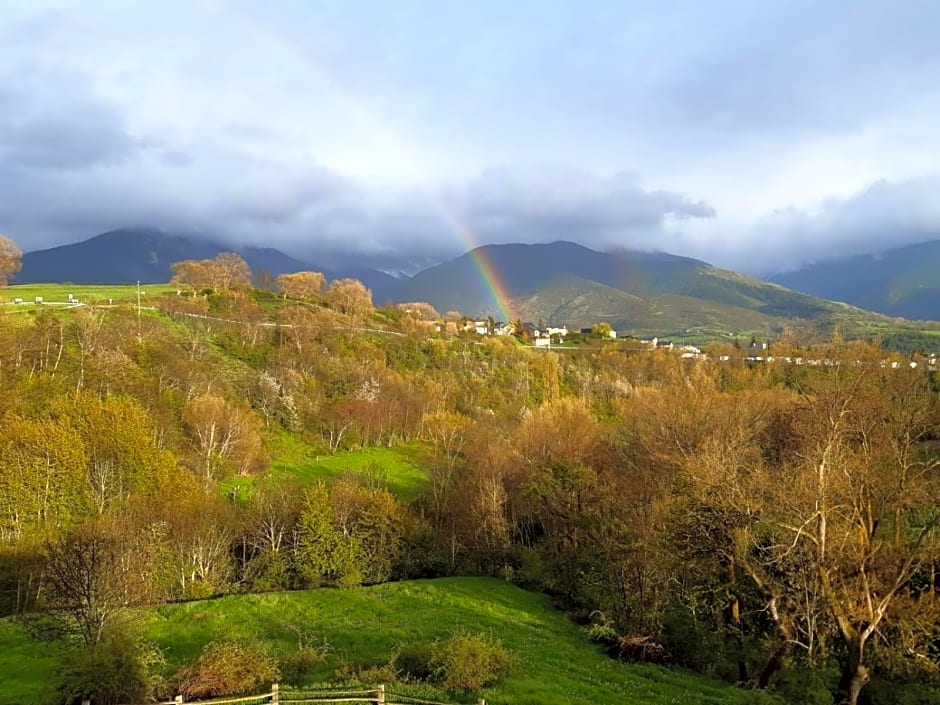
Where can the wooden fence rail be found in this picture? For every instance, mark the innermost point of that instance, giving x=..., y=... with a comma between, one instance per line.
x=375, y=696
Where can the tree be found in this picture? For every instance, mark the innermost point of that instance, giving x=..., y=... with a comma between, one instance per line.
x=226, y=436
x=831, y=515
x=83, y=579
x=419, y=311
x=11, y=259
x=226, y=272
x=350, y=296
x=301, y=285
x=230, y=272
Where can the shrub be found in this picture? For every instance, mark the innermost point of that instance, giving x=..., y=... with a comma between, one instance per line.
x=761, y=697
x=468, y=662
x=226, y=668
x=808, y=686
x=298, y=668
x=601, y=630
x=412, y=662
x=120, y=668
x=364, y=674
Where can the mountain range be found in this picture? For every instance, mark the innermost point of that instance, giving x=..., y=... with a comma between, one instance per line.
x=145, y=255
x=901, y=282
x=562, y=282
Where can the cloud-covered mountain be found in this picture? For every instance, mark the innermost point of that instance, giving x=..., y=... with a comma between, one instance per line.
x=143, y=254
x=560, y=282
x=563, y=282
x=904, y=281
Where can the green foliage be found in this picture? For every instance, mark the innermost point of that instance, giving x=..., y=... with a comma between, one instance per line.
x=324, y=553
x=763, y=697
x=469, y=662
x=601, y=630
x=806, y=686
x=893, y=693
x=364, y=674
x=226, y=668
x=121, y=668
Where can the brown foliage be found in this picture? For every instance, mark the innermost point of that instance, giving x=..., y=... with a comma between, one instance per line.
x=11, y=259
x=301, y=285
x=227, y=668
x=350, y=296
x=226, y=272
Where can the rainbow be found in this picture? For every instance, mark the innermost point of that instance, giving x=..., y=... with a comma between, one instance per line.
x=383, y=134
x=491, y=279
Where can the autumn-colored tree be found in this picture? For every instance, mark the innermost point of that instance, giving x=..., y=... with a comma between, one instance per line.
x=419, y=311
x=43, y=465
x=230, y=272
x=301, y=285
x=191, y=274
x=11, y=259
x=226, y=437
x=226, y=272
x=350, y=296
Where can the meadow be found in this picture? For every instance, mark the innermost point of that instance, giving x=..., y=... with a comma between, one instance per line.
x=98, y=294
x=556, y=664
x=397, y=468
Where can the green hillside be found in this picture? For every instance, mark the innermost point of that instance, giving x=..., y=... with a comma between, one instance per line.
x=555, y=662
x=639, y=293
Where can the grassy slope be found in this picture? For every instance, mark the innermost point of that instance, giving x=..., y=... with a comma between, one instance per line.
x=397, y=468
x=556, y=664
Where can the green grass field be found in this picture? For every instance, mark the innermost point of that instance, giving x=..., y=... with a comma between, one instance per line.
x=87, y=293
x=397, y=468
x=556, y=664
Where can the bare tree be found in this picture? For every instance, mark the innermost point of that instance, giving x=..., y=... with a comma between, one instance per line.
x=84, y=581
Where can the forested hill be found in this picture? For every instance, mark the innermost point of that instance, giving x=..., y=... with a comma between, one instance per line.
x=239, y=442
x=638, y=292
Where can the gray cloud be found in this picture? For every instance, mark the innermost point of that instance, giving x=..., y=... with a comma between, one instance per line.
x=114, y=116
x=50, y=121
x=880, y=217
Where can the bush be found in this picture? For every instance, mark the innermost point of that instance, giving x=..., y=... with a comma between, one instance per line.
x=298, y=668
x=467, y=662
x=761, y=697
x=601, y=630
x=364, y=674
x=808, y=686
x=121, y=668
x=226, y=668
x=412, y=662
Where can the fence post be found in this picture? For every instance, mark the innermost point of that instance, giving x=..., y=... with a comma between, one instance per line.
x=481, y=701
x=275, y=693
x=178, y=699
x=86, y=702
x=381, y=699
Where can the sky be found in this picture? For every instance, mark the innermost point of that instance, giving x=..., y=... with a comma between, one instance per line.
x=754, y=135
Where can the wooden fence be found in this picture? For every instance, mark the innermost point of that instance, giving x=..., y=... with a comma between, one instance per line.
x=376, y=696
